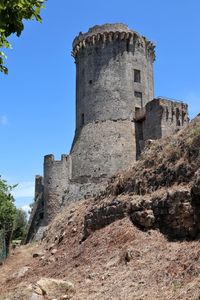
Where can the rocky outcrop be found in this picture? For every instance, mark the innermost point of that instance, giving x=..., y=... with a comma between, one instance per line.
x=53, y=288
x=104, y=214
x=44, y=289
x=175, y=212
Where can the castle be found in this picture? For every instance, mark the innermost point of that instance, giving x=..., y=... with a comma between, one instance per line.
x=116, y=113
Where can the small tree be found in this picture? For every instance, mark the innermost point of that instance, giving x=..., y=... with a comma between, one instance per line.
x=7, y=210
x=12, y=14
x=20, y=225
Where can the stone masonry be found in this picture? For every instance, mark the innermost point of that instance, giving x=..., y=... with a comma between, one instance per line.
x=116, y=113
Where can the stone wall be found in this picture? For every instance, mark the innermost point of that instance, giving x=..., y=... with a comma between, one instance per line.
x=56, y=181
x=102, y=150
x=37, y=213
x=164, y=117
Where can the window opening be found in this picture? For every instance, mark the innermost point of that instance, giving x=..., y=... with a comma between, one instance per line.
x=82, y=119
x=139, y=101
x=137, y=76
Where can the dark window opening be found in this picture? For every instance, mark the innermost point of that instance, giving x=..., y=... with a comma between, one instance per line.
x=138, y=94
x=82, y=119
x=137, y=110
x=178, y=123
x=90, y=81
x=167, y=114
x=41, y=215
x=137, y=76
x=183, y=117
x=127, y=46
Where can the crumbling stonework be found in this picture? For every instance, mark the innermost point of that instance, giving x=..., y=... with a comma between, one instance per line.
x=116, y=113
x=37, y=213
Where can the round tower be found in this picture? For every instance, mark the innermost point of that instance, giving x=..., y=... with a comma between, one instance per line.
x=56, y=174
x=114, y=78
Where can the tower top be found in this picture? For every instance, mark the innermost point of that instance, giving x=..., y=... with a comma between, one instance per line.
x=109, y=32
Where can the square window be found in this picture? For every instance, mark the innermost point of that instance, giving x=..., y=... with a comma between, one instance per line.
x=138, y=94
x=137, y=76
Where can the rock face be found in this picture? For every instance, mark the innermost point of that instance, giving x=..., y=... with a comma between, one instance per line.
x=174, y=213
x=161, y=191
x=21, y=273
x=43, y=289
x=196, y=186
x=53, y=288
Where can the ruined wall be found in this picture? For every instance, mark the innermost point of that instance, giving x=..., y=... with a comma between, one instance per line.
x=164, y=117
x=56, y=180
x=37, y=213
x=114, y=76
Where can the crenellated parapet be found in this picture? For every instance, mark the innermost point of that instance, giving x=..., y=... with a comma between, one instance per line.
x=113, y=32
x=164, y=117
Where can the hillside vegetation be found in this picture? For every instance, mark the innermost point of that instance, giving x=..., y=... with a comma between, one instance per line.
x=138, y=240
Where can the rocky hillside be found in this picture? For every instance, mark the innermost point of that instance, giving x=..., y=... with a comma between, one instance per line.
x=138, y=240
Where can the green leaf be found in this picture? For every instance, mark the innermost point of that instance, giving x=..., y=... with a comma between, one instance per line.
x=12, y=15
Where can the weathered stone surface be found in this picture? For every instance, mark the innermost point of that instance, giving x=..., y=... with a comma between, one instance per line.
x=37, y=212
x=164, y=117
x=175, y=213
x=100, y=216
x=21, y=273
x=56, y=178
x=54, y=288
x=38, y=254
x=196, y=187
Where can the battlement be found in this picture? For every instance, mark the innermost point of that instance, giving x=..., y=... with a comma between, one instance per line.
x=112, y=32
x=39, y=179
x=39, y=185
x=49, y=158
x=171, y=111
x=164, y=117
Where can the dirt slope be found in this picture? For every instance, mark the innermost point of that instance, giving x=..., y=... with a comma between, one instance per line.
x=137, y=241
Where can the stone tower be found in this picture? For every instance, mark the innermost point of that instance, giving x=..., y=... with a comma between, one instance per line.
x=116, y=113
x=114, y=79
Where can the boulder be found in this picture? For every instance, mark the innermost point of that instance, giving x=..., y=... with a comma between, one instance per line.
x=54, y=288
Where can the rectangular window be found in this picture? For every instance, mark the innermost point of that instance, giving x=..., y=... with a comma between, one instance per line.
x=138, y=94
x=82, y=119
x=139, y=101
x=137, y=76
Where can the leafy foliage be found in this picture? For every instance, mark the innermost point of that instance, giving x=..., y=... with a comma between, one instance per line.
x=12, y=14
x=7, y=207
x=20, y=225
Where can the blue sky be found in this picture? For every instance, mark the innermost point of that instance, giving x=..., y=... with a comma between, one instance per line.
x=38, y=96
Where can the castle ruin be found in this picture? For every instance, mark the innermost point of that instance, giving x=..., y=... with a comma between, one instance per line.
x=116, y=113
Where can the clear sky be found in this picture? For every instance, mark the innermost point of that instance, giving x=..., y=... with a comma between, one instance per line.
x=38, y=96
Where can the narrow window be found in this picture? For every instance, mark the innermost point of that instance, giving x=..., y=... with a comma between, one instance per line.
x=139, y=101
x=127, y=46
x=90, y=81
x=82, y=119
x=137, y=76
x=167, y=114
